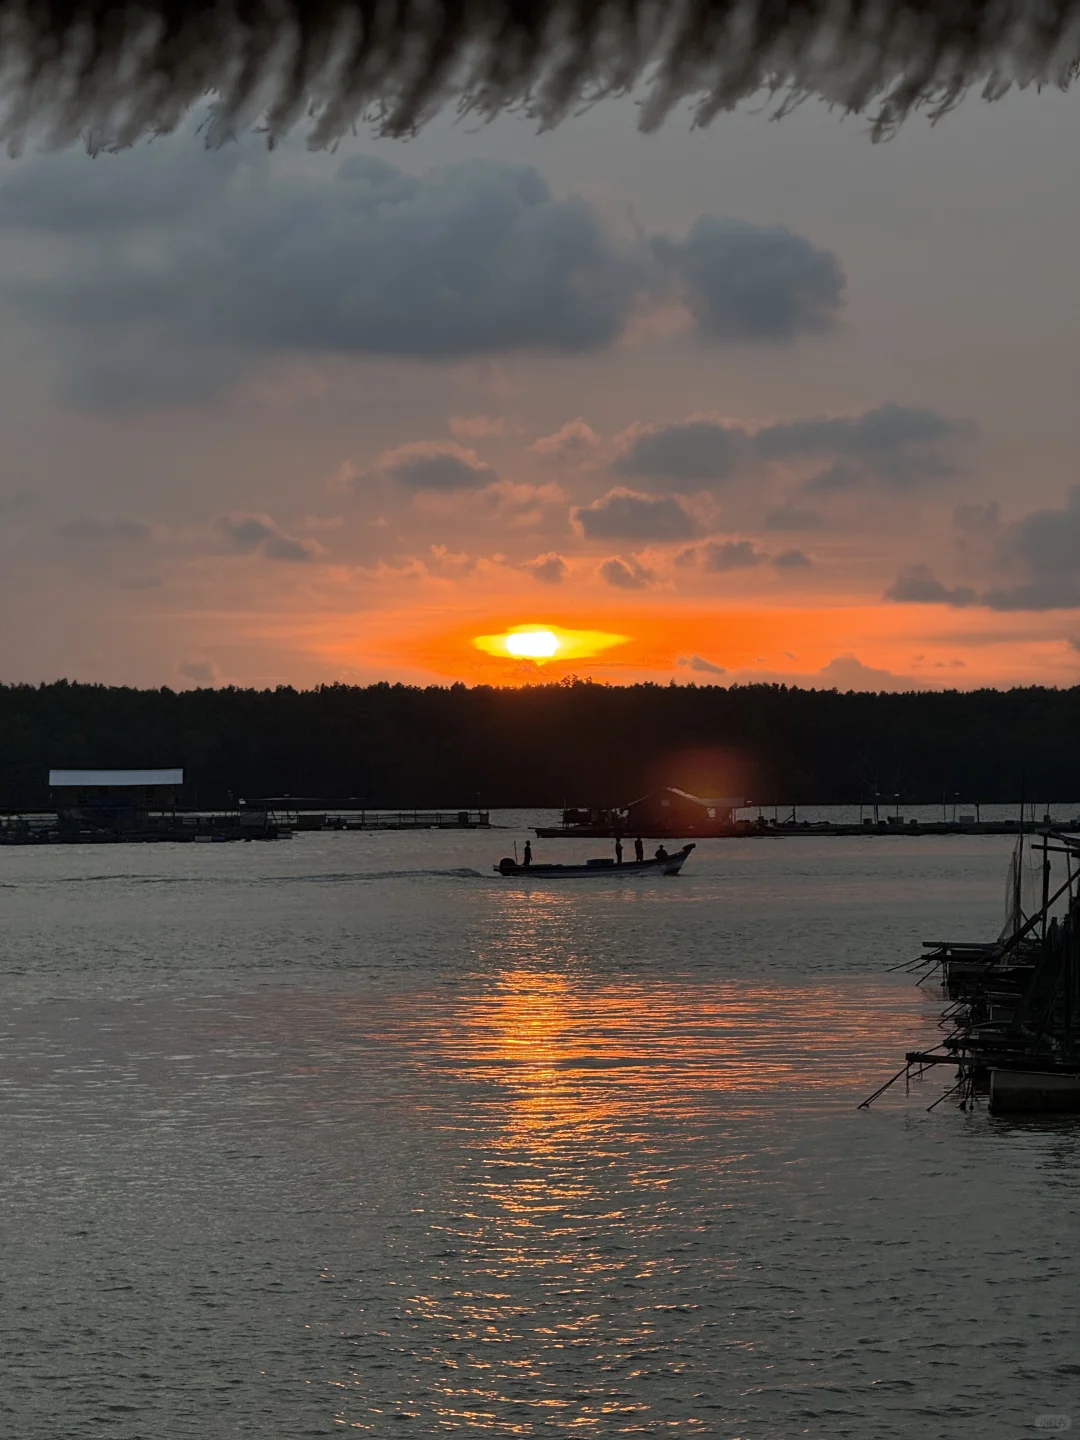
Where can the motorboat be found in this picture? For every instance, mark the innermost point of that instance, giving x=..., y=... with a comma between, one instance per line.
x=592, y=869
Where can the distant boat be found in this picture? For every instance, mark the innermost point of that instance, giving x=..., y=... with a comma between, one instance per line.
x=669, y=865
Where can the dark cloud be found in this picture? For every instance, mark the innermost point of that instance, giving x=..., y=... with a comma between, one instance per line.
x=1041, y=551
x=1044, y=547
x=120, y=73
x=977, y=519
x=62, y=193
x=896, y=446
x=789, y=516
x=627, y=574
x=880, y=431
x=752, y=282
x=625, y=515
x=721, y=555
x=697, y=662
x=1060, y=592
x=791, y=560
x=1047, y=541
x=918, y=585
x=179, y=293
x=436, y=465
x=251, y=534
x=696, y=451
x=548, y=569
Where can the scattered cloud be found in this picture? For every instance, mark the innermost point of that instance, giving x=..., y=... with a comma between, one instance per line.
x=896, y=447
x=843, y=672
x=627, y=574
x=448, y=564
x=344, y=478
x=880, y=431
x=575, y=443
x=260, y=534
x=523, y=507
x=698, y=662
x=627, y=515
x=1044, y=549
x=200, y=672
x=549, y=569
x=693, y=452
x=720, y=555
x=435, y=465
x=847, y=672
x=791, y=560
x=918, y=585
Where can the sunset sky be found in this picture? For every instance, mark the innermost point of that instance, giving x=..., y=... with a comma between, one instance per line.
x=761, y=401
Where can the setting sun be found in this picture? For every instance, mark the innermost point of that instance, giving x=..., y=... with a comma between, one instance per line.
x=546, y=642
x=533, y=644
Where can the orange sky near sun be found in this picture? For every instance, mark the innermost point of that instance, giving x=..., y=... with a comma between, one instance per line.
x=933, y=646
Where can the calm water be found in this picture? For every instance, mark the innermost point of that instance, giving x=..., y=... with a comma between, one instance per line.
x=347, y=1134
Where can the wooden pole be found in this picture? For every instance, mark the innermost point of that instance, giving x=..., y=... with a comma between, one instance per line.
x=1045, y=885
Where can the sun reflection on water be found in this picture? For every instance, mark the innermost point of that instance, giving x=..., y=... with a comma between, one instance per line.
x=579, y=1266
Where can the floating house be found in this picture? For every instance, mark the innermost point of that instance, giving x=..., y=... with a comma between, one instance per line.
x=106, y=795
x=666, y=814
x=675, y=811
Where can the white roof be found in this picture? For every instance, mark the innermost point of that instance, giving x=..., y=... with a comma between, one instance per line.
x=727, y=803
x=116, y=779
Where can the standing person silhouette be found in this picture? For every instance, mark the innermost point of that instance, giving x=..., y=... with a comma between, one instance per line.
x=618, y=850
x=527, y=861
x=639, y=850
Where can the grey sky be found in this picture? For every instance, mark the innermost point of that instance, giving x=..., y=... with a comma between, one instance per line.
x=197, y=345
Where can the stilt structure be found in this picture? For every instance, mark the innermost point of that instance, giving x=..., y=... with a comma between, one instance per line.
x=1013, y=1017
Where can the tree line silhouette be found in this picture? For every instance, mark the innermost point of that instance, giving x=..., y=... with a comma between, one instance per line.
x=574, y=742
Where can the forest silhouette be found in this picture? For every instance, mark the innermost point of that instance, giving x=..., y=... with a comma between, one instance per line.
x=576, y=743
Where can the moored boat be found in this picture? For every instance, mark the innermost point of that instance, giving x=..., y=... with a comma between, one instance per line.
x=657, y=865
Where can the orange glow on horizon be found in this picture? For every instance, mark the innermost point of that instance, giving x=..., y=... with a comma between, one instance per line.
x=420, y=643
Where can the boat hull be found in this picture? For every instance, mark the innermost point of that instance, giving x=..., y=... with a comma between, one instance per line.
x=509, y=870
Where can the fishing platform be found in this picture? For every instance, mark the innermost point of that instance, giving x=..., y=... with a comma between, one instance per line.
x=674, y=814
x=1012, y=1021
